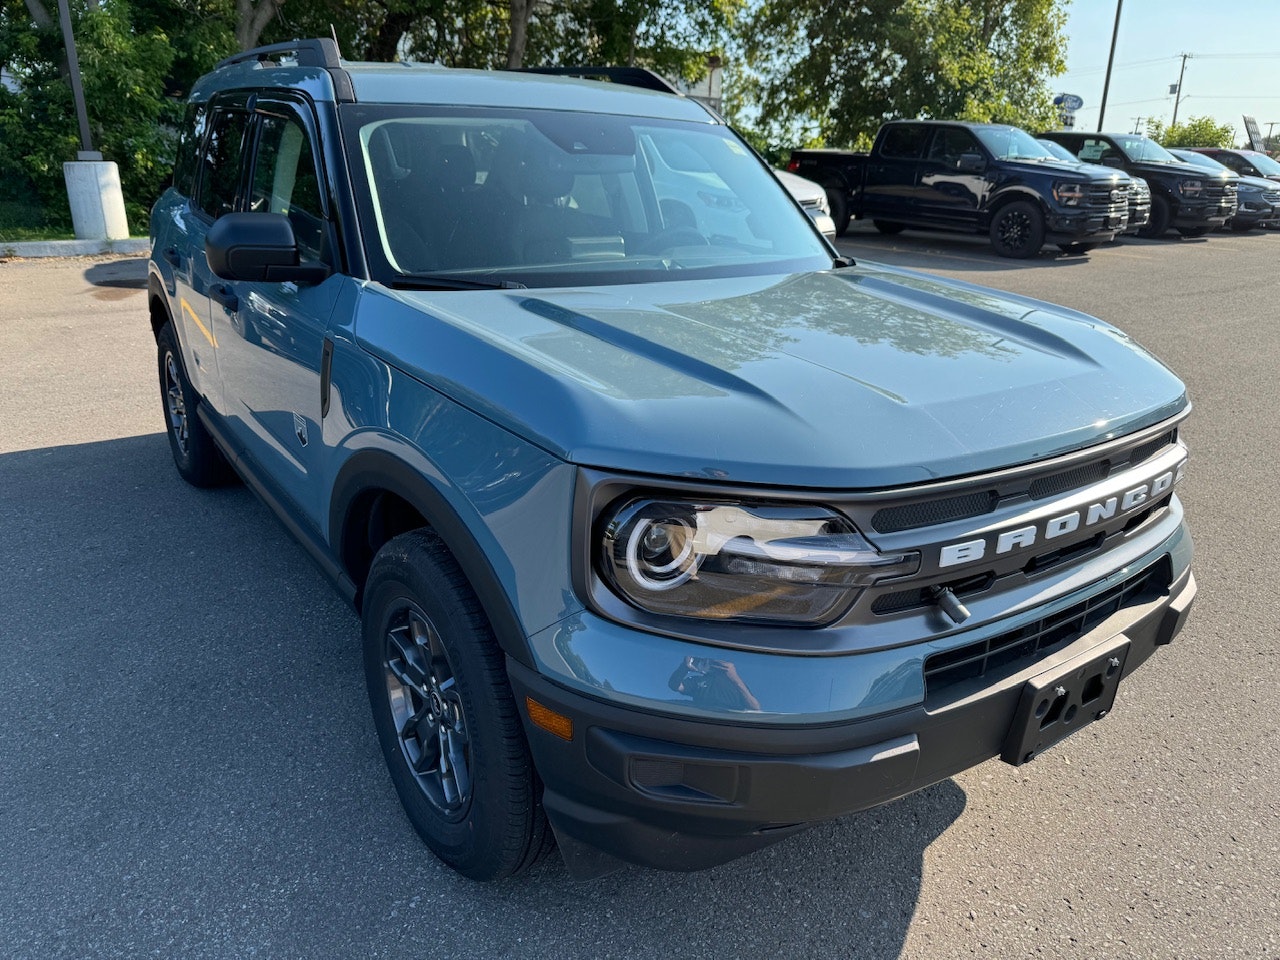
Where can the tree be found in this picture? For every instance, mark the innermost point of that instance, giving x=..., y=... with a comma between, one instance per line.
x=131, y=122
x=1196, y=132
x=837, y=71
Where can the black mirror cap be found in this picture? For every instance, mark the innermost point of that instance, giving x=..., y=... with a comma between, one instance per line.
x=1113, y=162
x=257, y=247
x=971, y=163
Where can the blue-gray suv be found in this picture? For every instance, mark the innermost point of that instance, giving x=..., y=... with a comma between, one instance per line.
x=672, y=531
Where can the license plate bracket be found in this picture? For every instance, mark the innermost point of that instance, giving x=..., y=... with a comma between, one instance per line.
x=1063, y=699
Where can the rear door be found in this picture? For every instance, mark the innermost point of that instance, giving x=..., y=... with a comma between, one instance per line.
x=890, y=190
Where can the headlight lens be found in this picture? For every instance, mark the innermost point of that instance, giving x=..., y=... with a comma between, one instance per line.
x=751, y=563
x=1069, y=194
x=1190, y=188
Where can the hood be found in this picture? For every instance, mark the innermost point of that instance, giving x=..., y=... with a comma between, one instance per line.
x=864, y=377
x=1149, y=168
x=1091, y=172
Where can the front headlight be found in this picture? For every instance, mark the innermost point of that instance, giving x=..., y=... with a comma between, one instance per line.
x=1190, y=188
x=746, y=562
x=1069, y=194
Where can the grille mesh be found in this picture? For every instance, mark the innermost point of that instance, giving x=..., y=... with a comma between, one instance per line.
x=926, y=514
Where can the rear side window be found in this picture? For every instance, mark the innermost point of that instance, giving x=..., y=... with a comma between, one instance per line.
x=184, y=168
x=906, y=142
x=285, y=181
x=221, y=161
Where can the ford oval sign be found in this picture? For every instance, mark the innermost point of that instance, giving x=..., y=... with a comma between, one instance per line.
x=1068, y=101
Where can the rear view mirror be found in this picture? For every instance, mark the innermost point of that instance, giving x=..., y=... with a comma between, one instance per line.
x=258, y=247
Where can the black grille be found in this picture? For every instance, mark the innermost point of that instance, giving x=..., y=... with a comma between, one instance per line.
x=1070, y=480
x=1152, y=447
x=909, y=516
x=1014, y=650
x=1101, y=195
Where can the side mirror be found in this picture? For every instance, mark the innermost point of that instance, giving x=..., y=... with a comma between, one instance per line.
x=258, y=247
x=971, y=163
x=1112, y=161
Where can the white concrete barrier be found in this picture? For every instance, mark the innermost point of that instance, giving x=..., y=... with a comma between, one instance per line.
x=97, y=203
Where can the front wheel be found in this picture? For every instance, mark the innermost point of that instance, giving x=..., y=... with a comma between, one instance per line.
x=889, y=227
x=839, y=205
x=1017, y=230
x=1161, y=217
x=1241, y=227
x=445, y=715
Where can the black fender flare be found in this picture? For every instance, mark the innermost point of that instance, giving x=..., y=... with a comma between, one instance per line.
x=378, y=470
x=1009, y=195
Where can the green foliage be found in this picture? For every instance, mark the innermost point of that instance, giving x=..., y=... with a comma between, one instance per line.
x=130, y=120
x=1196, y=132
x=835, y=72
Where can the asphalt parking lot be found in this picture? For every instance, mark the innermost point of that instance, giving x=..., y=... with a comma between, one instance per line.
x=188, y=768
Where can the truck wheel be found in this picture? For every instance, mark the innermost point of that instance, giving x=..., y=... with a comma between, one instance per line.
x=1158, y=225
x=839, y=209
x=1077, y=247
x=444, y=713
x=888, y=227
x=1241, y=227
x=1017, y=230
x=197, y=457
x=1190, y=232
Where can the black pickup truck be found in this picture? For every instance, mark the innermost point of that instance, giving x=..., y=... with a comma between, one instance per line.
x=1183, y=196
x=973, y=177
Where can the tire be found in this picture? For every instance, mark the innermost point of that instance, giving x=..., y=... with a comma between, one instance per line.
x=195, y=454
x=1192, y=232
x=888, y=227
x=1161, y=216
x=445, y=716
x=839, y=205
x=1077, y=247
x=1017, y=230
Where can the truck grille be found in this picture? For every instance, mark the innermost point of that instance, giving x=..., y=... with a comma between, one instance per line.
x=1272, y=197
x=1009, y=652
x=1105, y=196
x=966, y=506
x=1219, y=191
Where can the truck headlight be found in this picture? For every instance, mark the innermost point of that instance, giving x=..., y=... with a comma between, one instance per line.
x=747, y=562
x=1069, y=194
x=1190, y=188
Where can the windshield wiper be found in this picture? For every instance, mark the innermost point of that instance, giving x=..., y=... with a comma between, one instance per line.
x=443, y=281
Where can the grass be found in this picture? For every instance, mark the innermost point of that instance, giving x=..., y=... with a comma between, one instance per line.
x=22, y=220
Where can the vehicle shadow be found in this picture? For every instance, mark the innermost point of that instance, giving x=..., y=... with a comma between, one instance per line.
x=190, y=768
x=951, y=251
x=130, y=274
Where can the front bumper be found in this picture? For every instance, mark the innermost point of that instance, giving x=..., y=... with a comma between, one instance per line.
x=1089, y=225
x=677, y=793
x=1139, y=217
x=1202, y=214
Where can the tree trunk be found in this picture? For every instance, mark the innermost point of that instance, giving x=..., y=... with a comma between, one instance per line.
x=252, y=18
x=40, y=15
x=520, y=12
x=382, y=48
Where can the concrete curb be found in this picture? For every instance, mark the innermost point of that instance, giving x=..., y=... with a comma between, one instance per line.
x=73, y=248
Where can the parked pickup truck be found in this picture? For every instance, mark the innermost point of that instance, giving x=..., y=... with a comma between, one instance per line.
x=1183, y=196
x=978, y=177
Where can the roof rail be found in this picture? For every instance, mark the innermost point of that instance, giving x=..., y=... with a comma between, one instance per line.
x=320, y=52
x=630, y=76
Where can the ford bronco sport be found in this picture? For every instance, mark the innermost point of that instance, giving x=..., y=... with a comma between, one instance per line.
x=671, y=530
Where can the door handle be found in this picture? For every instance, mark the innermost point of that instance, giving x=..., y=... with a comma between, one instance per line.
x=224, y=295
x=172, y=257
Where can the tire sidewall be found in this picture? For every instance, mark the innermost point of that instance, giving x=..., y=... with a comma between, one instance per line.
x=475, y=837
x=1035, y=235
x=166, y=346
x=1161, y=217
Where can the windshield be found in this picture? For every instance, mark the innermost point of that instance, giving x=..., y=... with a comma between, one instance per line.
x=1200, y=160
x=1059, y=151
x=1010, y=143
x=1267, y=166
x=551, y=198
x=1139, y=148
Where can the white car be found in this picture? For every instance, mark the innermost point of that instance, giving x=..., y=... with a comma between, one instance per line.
x=812, y=198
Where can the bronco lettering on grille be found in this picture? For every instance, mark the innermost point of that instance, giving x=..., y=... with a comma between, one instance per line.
x=1029, y=534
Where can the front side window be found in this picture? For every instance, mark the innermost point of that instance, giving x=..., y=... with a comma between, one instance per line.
x=285, y=182
x=542, y=197
x=221, y=162
x=950, y=144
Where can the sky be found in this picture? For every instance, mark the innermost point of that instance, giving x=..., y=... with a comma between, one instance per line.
x=1234, y=67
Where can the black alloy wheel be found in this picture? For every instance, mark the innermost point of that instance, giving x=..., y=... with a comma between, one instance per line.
x=445, y=715
x=1017, y=230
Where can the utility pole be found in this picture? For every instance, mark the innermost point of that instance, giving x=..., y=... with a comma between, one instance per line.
x=1137, y=124
x=1177, y=91
x=1106, y=85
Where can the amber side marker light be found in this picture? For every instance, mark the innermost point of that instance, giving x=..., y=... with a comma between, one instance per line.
x=549, y=720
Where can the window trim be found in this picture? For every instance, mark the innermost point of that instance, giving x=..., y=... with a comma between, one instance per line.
x=230, y=103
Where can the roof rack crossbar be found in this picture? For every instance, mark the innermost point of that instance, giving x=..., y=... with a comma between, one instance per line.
x=319, y=52
x=630, y=76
